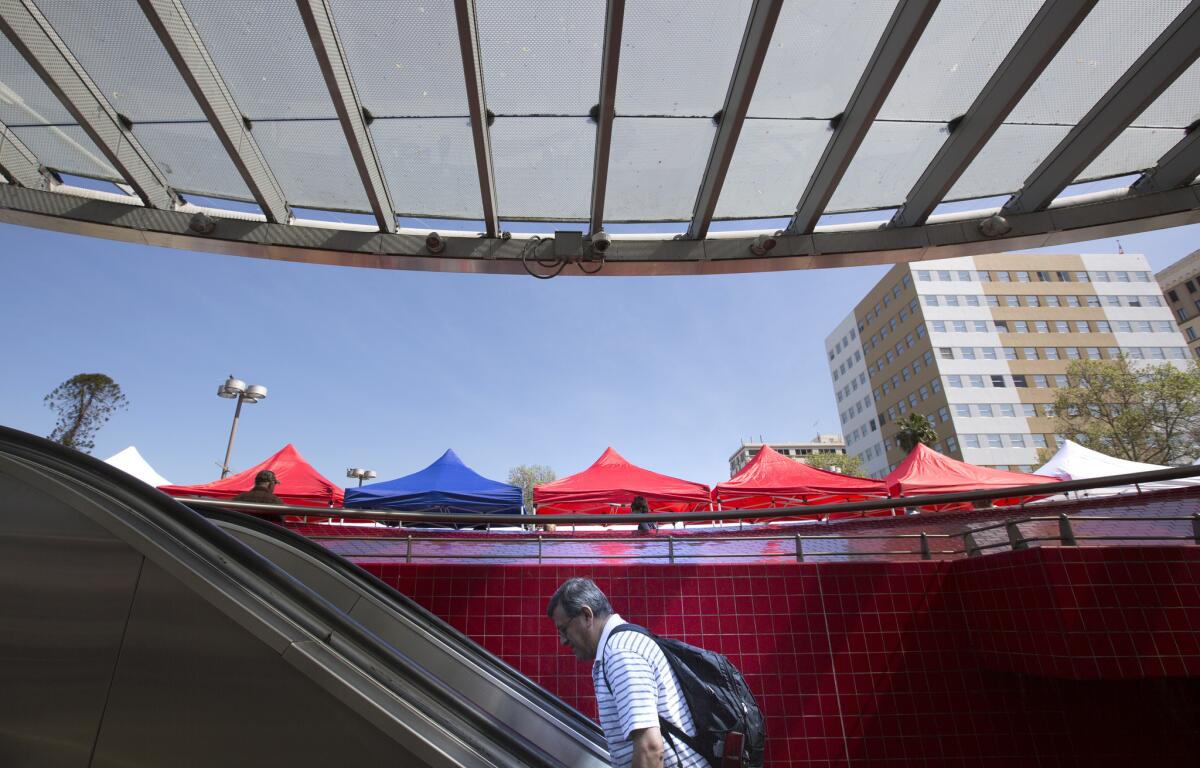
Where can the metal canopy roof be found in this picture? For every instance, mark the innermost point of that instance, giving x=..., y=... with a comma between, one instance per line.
x=589, y=116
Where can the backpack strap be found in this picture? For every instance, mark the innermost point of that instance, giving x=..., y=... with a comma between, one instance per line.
x=669, y=729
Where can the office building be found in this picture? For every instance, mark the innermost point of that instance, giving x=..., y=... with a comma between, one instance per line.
x=1180, y=283
x=979, y=344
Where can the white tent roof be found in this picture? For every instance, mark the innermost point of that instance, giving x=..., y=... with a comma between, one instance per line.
x=1074, y=462
x=130, y=461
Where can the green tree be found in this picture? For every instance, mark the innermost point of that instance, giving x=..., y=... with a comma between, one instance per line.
x=526, y=476
x=835, y=462
x=1147, y=413
x=912, y=429
x=84, y=404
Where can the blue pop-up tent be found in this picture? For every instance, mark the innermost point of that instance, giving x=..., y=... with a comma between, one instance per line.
x=446, y=485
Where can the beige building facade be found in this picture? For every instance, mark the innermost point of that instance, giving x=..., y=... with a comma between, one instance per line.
x=1180, y=283
x=979, y=344
x=827, y=444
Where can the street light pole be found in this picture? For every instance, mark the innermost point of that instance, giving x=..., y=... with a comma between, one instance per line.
x=368, y=474
x=236, y=388
x=237, y=414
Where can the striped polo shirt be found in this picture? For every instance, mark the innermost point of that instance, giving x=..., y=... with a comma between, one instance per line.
x=643, y=688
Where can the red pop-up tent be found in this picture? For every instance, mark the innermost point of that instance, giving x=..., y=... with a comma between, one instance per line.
x=772, y=480
x=299, y=483
x=611, y=483
x=925, y=471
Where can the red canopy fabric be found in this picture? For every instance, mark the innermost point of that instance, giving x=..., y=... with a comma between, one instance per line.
x=609, y=485
x=925, y=471
x=299, y=483
x=773, y=480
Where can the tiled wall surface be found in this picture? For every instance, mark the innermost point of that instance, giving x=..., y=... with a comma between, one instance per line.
x=1040, y=657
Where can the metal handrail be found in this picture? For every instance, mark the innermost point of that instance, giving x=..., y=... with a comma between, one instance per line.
x=1034, y=491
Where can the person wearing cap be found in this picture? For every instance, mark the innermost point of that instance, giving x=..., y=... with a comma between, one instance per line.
x=263, y=492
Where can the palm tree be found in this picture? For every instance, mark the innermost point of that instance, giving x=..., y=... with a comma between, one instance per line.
x=915, y=428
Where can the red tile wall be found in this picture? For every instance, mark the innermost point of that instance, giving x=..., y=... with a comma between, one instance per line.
x=1040, y=657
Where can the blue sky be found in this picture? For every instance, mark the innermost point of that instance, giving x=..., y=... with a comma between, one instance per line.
x=385, y=370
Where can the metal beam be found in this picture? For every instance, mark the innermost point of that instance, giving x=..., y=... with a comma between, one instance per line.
x=899, y=38
x=1166, y=58
x=45, y=51
x=18, y=164
x=318, y=20
x=468, y=43
x=1086, y=217
x=760, y=27
x=1178, y=168
x=614, y=24
x=1039, y=43
x=183, y=44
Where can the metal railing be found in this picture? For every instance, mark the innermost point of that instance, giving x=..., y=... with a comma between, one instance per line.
x=674, y=549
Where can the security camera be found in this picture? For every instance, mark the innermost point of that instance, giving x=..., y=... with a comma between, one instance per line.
x=435, y=243
x=601, y=242
x=762, y=244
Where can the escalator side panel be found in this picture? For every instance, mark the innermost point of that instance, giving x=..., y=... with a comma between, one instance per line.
x=328, y=586
x=191, y=689
x=65, y=591
x=422, y=646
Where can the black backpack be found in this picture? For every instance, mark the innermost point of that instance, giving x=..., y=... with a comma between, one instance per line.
x=718, y=698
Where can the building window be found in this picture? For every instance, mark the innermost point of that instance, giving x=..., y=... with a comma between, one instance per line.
x=985, y=410
x=1016, y=440
x=1050, y=353
x=1019, y=380
x=962, y=409
x=1191, y=286
x=1010, y=353
x=1006, y=409
x=1037, y=440
x=1172, y=296
x=944, y=413
x=951, y=445
x=1031, y=301
x=970, y=441
x=995, y=441
x=1191, y=333
x=1039, y=381
x=936, y=385
x=997, y=380
x=1030, y=353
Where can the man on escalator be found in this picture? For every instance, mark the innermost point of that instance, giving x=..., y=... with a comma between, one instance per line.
x=634, y=684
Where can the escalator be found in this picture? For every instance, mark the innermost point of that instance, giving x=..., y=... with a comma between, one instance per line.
x=134, y=632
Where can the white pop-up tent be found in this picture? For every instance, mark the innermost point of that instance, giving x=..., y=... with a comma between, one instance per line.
x=130, y=461
x=1074, y=462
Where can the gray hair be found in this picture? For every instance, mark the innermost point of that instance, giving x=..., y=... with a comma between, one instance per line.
x=575, y=593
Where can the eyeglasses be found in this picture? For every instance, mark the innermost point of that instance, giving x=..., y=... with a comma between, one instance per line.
x=562, y=631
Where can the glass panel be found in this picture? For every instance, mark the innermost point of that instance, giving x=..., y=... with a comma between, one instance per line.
x=817, y=55
x=404, y=57
x=655, y=167
x=771, y=167
x=66, y=148
x=541, y=58
x=126, y=59
x=543, y=166
x=429, y=166
x=312, y=163
x=1007, y=160
x=961, y=48
x=889, y=161
x=1136, y=149
x=24, y=98
x=265, y=56
x=678, y=61
x=1108, y=41
x=192, y=158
